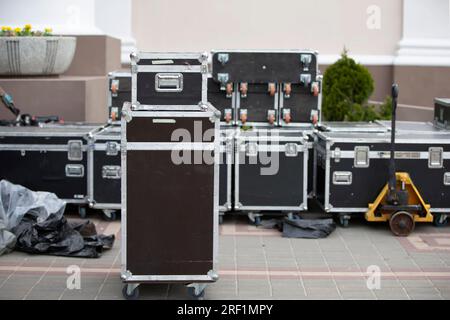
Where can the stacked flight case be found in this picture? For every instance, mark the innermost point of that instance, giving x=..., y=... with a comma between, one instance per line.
x=270, y=100
x=51, y=157
x=170, y=148
x=353, y=160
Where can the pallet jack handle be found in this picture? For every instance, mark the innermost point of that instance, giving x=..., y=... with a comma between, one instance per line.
x=392, y=170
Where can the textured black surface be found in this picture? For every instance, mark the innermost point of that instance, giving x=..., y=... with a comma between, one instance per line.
x=43, y=171
x=301, y=102
x=106, y=190
x=284, y=188
x=263, y=67
x=258, y=102
x=169, y=215
x=147, y=94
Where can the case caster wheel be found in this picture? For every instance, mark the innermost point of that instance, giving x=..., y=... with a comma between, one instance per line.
x=254, y=218
x=343, y=221
x=257, y=220
x=402, y=223
x=440, y=219
x=130, y=292
x=109, y=215
x=82, y=212
x=197, y=291
x=220, y=218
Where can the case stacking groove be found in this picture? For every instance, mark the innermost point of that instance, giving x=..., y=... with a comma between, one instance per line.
x=170, y=175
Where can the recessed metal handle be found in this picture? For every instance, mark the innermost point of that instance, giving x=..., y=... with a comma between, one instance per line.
x=111, y=172
x=169, y=82
x=342, y=177
x=435, y=157
x=74, y=170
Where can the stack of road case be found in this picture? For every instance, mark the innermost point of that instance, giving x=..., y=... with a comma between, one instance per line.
x=51, y=157
x=270, y=100
x=170, y=153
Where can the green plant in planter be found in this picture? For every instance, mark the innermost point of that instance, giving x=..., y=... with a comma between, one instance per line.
x=347, y=86
x=26, y=31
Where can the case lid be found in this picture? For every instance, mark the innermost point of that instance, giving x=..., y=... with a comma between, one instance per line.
x=346, y=126
x=263, y=66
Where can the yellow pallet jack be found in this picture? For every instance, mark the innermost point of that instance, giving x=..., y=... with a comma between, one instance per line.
x=400, y=201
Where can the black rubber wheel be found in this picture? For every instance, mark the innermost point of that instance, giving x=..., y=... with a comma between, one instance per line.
x=343, y=221
x=220, y=218
x=111, y=216
x=82, y=212
x=257, y=221
x=192, y=294
x=402, y=223
x=440, y=219
x=134, y=294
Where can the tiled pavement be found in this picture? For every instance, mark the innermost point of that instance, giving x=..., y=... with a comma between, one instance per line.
x=258, y=263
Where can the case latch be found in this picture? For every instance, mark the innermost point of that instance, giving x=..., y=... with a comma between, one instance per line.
x=112, y=148
x=75, y=150
x=306, y=61
x=111, y=172
x=114, y=87
x=337, y=155
x=435, y=157
x=223, y=58
x=361, y=157
x=74, y=170
x=290, y=150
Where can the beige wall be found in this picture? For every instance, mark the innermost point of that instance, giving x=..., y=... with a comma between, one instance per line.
x=323, y=25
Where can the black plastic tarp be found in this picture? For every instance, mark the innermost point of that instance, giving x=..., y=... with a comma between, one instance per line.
x=34, y=222
x=301, y=228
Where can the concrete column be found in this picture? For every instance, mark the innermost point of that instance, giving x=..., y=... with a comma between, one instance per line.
x=426, y=33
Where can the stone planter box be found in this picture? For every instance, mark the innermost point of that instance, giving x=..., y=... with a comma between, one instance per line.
x=35, y=56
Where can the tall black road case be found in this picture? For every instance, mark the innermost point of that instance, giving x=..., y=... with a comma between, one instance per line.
x=52, y=158
x=352, y=168
x=170, y=180
x=104, y=174
x=270, y=88
x=271, y=172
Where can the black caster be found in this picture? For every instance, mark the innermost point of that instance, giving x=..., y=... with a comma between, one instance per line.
x=440, y=219
x=82, y=212
x=220, y=219
x=109, y=215
x=343, y=221
x=130, y=293
x=196, y=293
x=257, y=220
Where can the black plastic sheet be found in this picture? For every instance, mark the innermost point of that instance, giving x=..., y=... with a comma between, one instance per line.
x=301, y=228
x=34, y=222
x=57, y=236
